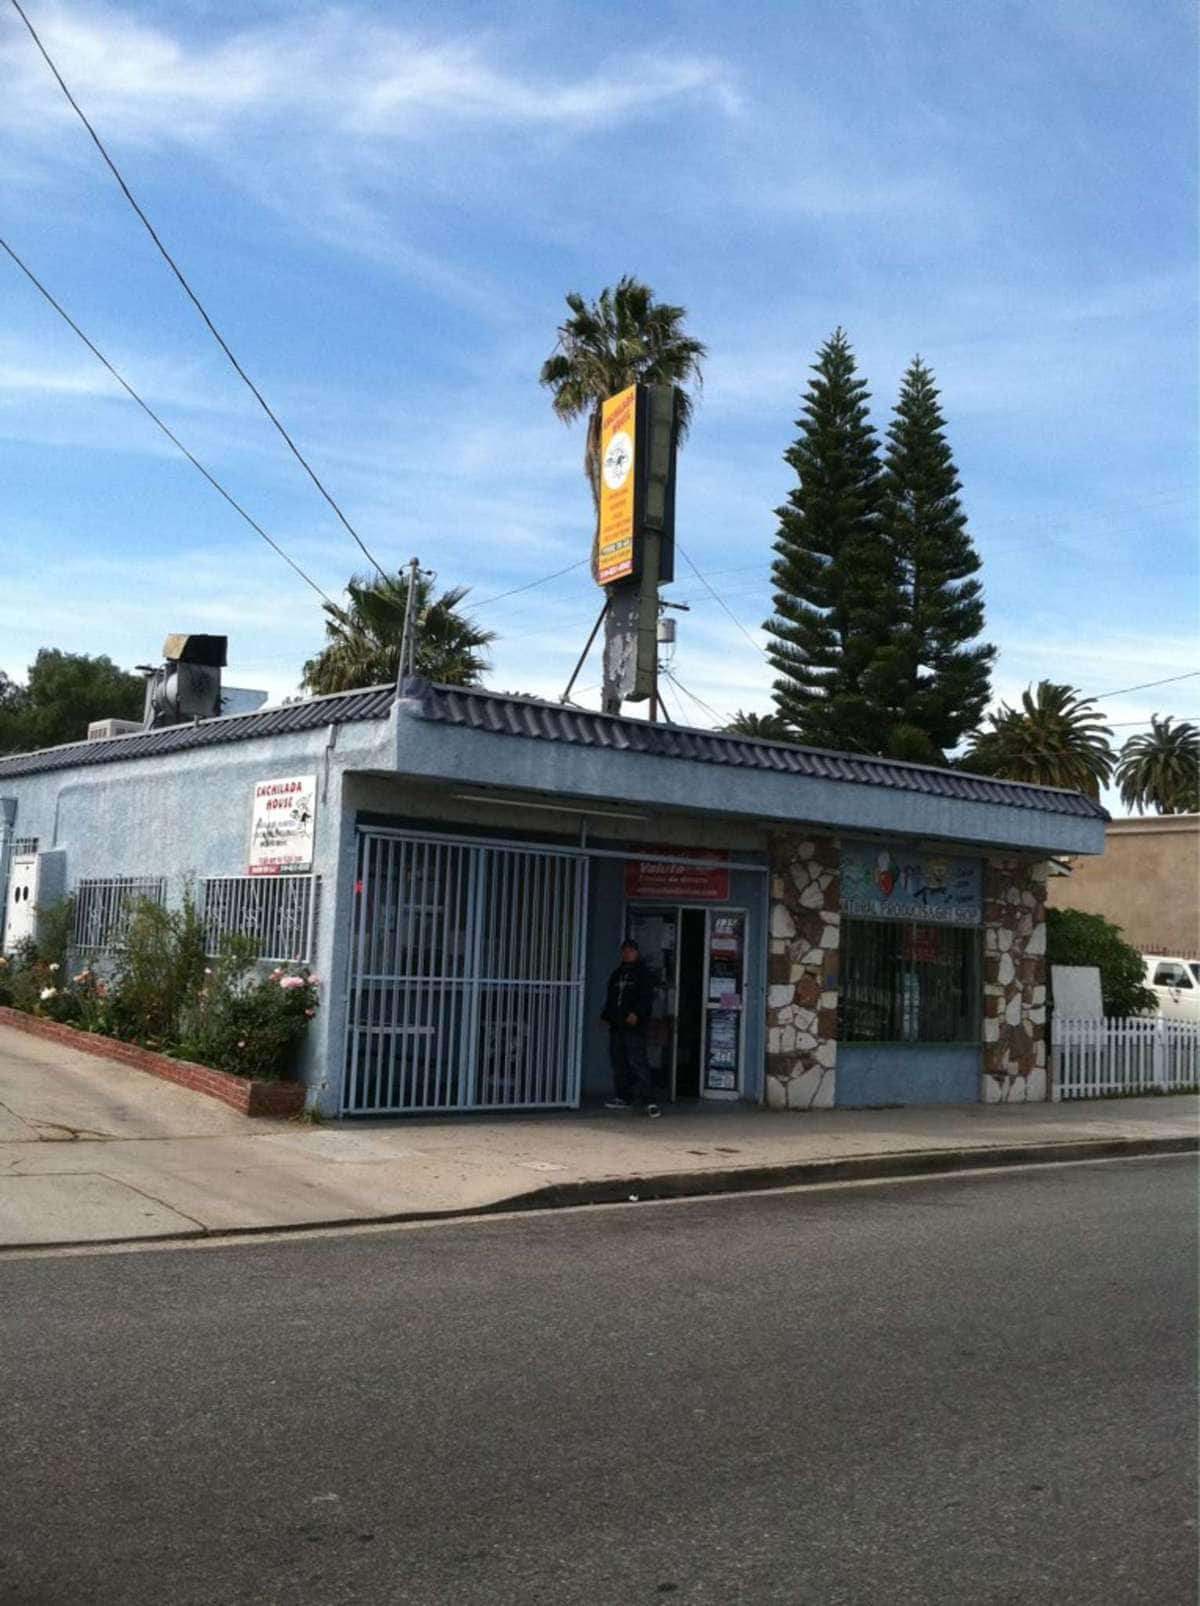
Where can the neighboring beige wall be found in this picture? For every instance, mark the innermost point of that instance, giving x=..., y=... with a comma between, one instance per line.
x=1147, y=881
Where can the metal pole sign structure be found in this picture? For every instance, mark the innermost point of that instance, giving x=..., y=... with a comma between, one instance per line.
x=635, y=548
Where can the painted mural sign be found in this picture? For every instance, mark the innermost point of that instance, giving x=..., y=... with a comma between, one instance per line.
x=892, y=883
x=282, y=825
x=706, y=879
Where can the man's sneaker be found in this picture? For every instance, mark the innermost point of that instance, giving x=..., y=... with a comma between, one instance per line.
x=653, y=1111
x=616, y=1104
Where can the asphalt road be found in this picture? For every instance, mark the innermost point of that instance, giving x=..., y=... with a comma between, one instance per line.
x=972, y=1390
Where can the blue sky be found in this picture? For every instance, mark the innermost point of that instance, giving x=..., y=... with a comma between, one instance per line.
x=383, y=206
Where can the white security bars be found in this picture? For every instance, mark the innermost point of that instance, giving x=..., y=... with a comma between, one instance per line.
x=279, y=913
x=103, y=906
x=466, y=975
x=1145, y=1054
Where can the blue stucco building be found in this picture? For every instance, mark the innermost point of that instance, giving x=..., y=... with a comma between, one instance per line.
x=459, y=866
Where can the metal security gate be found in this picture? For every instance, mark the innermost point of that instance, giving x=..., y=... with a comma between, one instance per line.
x=466, y=976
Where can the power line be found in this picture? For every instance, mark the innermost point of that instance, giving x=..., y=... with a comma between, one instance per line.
x=194, y=298
x=720, y=601
x=516, y=590
x=671, y=719
x=1122, y=724
x=699, y=701
x=169, y=433
x=1169, y=680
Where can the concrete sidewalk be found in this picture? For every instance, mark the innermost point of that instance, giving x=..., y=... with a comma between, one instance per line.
x=92, y=1152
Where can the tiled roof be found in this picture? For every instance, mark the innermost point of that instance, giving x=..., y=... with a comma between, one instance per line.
x=312, y=714
x=506, y=715
x=554, y=722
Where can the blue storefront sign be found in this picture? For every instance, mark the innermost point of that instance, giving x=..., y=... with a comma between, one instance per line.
x=890, y=883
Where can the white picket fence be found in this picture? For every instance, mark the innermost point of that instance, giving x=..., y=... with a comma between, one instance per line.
x=1094, y=1059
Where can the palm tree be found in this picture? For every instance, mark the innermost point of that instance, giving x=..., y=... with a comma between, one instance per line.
x=362, y=645
x=767, y=727
x=1055, y=738
x=625, y=338
x=1160, y=769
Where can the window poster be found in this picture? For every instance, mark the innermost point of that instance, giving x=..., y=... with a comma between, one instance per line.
x=725, y=959
x=722, y=1050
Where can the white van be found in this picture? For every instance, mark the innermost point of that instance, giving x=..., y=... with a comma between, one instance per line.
x=1175, y=982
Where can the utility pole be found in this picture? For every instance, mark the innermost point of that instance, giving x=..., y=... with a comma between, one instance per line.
x=407, y=666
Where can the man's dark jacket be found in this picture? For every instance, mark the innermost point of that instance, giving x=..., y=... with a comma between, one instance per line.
x=630, y=992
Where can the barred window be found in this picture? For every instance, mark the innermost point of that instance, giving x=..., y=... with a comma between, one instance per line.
x=104, y=905
x=905, y=983
x=278, y=913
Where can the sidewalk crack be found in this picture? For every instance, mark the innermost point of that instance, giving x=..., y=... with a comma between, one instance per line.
x=123, y=1182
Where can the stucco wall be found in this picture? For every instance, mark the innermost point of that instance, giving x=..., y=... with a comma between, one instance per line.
x=1147, y=881
x=907, y=1073
x=189, y=817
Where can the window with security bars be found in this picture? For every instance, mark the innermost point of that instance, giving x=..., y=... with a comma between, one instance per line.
x=901, y=982
x=104, y=907
x=277, y=913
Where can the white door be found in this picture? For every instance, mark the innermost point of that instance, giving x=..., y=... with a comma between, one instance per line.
x=21, y=911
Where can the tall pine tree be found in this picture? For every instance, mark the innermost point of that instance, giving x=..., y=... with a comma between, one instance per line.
x=835, y=590
x=936, y=684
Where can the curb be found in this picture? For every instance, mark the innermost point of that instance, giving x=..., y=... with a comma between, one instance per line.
x=854, y=1168
x=685, y=1185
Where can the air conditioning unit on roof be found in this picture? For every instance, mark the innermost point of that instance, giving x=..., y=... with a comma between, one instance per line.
x=103, y=730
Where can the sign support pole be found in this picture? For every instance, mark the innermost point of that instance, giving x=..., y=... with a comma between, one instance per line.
x=566, y=696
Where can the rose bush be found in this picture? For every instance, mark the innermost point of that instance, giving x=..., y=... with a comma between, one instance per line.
x=163, y=992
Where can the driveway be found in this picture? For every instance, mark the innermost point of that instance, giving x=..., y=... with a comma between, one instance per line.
x=49, y=1093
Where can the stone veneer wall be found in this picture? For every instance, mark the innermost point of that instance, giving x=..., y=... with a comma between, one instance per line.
x=802, y=972
x=1014, y=981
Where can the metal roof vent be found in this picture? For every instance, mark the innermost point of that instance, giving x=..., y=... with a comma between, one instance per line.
x=188, y=685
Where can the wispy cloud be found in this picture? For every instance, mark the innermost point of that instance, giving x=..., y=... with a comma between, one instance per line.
x=335, y=72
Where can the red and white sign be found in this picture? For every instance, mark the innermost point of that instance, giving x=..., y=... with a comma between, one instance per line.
x=283, y=825
x=706, y=879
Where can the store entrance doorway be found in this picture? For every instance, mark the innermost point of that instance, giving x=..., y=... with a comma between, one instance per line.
x=698, y=956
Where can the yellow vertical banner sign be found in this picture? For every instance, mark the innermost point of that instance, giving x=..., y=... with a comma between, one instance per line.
x=618, y=478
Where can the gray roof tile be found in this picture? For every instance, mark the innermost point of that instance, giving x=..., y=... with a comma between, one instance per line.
x=312, y=714
x=555, y=722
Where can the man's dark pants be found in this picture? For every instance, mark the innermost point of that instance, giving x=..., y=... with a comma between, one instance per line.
x=632, y=1079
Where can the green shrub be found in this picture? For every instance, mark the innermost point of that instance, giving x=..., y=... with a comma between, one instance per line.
x=56, y=924
x=166, y=994
x=158, y=973
x=32, y=982
x=1076, y=938
x=247, y=1023
x=93, y=999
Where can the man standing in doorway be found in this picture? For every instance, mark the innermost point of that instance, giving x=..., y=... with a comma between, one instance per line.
x=627, y=1009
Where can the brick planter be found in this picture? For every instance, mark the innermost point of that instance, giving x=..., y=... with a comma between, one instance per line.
x=243, y=1093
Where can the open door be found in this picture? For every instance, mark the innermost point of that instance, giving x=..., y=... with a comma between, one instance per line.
x=695, y=1044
